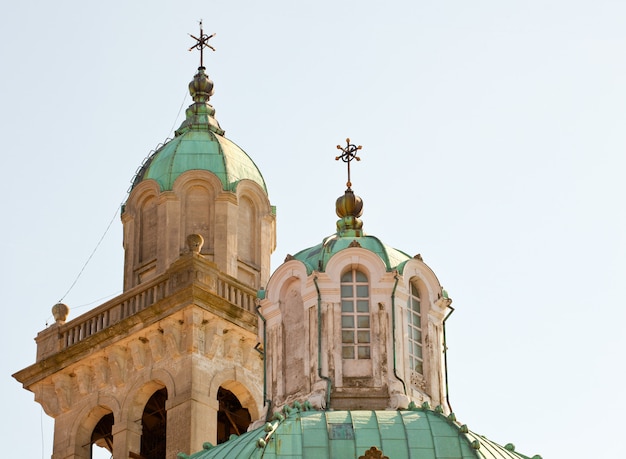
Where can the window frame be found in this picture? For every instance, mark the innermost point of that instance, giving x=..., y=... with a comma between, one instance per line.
x=415, y=330
x=356, y=320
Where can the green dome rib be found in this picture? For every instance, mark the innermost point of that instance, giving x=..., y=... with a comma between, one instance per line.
x=317, y=257
x=201, y=150
x=418, y=433
x=200, y=144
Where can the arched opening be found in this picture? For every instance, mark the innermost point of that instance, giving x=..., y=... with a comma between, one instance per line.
x=102, y=438
x=154, y=426
x=232, y=418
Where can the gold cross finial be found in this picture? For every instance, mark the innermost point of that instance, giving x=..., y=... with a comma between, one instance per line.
x=201, y=43
x=347, y=155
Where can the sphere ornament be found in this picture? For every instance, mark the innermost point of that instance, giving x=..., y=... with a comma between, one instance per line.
x=201, y=87
x=60, y=312
x=195, y=243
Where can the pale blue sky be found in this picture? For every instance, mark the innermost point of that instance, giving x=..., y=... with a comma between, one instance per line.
x=493, y=144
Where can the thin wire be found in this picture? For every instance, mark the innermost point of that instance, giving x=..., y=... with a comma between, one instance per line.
x=92, y=253
x=74, y=308
x=110, y=295
x=182, y=104
x=41, y=427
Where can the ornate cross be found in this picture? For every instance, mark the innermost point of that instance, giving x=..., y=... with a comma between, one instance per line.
x=201, y=43
x=347, y=155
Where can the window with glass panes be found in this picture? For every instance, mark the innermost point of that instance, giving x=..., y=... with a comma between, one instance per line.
x=355, y=316
x=414, y=321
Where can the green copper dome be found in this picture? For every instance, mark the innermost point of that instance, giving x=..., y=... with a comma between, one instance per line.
x=200, y=144
x=349, y=234
x=316, y=258
x=419, y=433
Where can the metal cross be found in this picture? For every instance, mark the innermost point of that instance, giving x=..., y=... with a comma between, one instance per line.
x=202, y=42
x=347, y=155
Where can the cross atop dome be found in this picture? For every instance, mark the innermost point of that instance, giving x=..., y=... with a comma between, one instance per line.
x=347, y=155
x=201, y=43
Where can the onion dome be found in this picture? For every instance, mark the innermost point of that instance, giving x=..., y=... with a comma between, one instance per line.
x=419, y=433
x=199, y=144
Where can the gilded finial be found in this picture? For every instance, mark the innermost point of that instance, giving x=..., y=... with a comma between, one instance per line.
x=349, y=207
x=201, y=43
x=347, y=155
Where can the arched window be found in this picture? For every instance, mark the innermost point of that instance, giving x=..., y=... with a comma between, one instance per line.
x=414, y=321
x=102, y=438
x=232, y=418
x=355, y=316
x=154, y=426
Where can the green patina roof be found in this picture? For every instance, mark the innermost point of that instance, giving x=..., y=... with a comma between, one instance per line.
x=349, y=208
x=416, y=434
x=201, y=150
x=200, y=145
x=316, y=258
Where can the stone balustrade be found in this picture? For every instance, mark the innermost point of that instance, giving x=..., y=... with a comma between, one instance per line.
x=197, y=272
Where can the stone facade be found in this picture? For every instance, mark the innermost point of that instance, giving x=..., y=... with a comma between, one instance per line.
x=195, y=348
x=304, y=355
x=183, y=333
x=238, y=228
x=197, y=335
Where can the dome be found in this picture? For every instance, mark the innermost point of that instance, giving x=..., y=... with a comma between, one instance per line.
x=199, y=144
x=316, y=258
x=349, y=234
x=200, y=150
x=419, y=433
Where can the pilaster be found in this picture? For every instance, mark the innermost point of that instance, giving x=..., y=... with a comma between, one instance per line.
x=226, y=208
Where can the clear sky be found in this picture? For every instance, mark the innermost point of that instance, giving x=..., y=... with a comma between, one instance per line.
x=493, y=144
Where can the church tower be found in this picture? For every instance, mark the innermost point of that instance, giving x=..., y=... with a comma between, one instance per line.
x=339, y=354
x=172, y=362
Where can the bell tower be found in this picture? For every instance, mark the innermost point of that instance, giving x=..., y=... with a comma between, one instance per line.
x=171, y=362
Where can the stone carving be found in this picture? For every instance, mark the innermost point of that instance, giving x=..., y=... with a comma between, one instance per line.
x=60, y=312
x=83, y=379
x=155, y=340
x=138, y=353
x=195, y=243
x=63, y=389
x=101, y=371
x=418, y=381
x=117, y=365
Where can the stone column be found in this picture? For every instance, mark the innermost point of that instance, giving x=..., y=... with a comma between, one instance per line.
x=65, y=446
x=126, y=438
x=190, y=423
